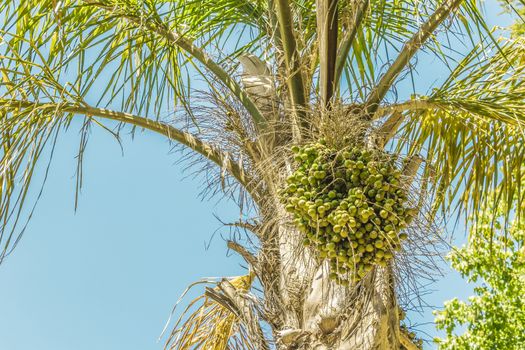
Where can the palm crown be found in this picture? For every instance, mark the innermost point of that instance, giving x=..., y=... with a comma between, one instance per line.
x=275, y=73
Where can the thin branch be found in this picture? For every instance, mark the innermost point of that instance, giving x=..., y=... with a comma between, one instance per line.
x=348, y=39
x=242, y=251
x=295, y=80
x=196, y=52
x=208, y=151
x=327, y=27
x=407, y=52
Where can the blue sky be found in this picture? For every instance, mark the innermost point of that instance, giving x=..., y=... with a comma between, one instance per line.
x=107, y=275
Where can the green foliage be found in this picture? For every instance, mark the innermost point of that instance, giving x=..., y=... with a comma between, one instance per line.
x=350, y=204
x=471, y=129
x=516, y=8
x=494, y=317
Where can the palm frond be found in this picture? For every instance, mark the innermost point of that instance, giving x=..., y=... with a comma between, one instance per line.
x=146, y=50
x=410, y=48
x=472, y=129
x=209, y=324
x=35, y=107
x=288, y=36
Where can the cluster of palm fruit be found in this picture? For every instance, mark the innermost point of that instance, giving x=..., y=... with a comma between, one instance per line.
x=350, y=206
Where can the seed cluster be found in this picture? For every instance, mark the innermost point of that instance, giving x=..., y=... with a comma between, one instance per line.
x=350, y=206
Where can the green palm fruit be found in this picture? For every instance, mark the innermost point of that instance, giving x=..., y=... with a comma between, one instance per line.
x=363, y=218
x=369, y=248
x=364, y=175
x=381, y=263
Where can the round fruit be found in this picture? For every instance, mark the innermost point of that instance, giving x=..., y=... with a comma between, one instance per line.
x=349, y=205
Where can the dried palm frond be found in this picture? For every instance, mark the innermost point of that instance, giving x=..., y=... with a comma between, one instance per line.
x=214, y=324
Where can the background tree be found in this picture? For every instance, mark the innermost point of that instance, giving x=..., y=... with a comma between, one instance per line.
x=282, y=76
x=495, y=262
x=516, y=8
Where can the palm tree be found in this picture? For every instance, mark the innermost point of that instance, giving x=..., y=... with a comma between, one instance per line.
x=276, y=74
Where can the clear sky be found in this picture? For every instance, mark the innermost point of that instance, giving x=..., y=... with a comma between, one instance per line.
x=106, y=276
